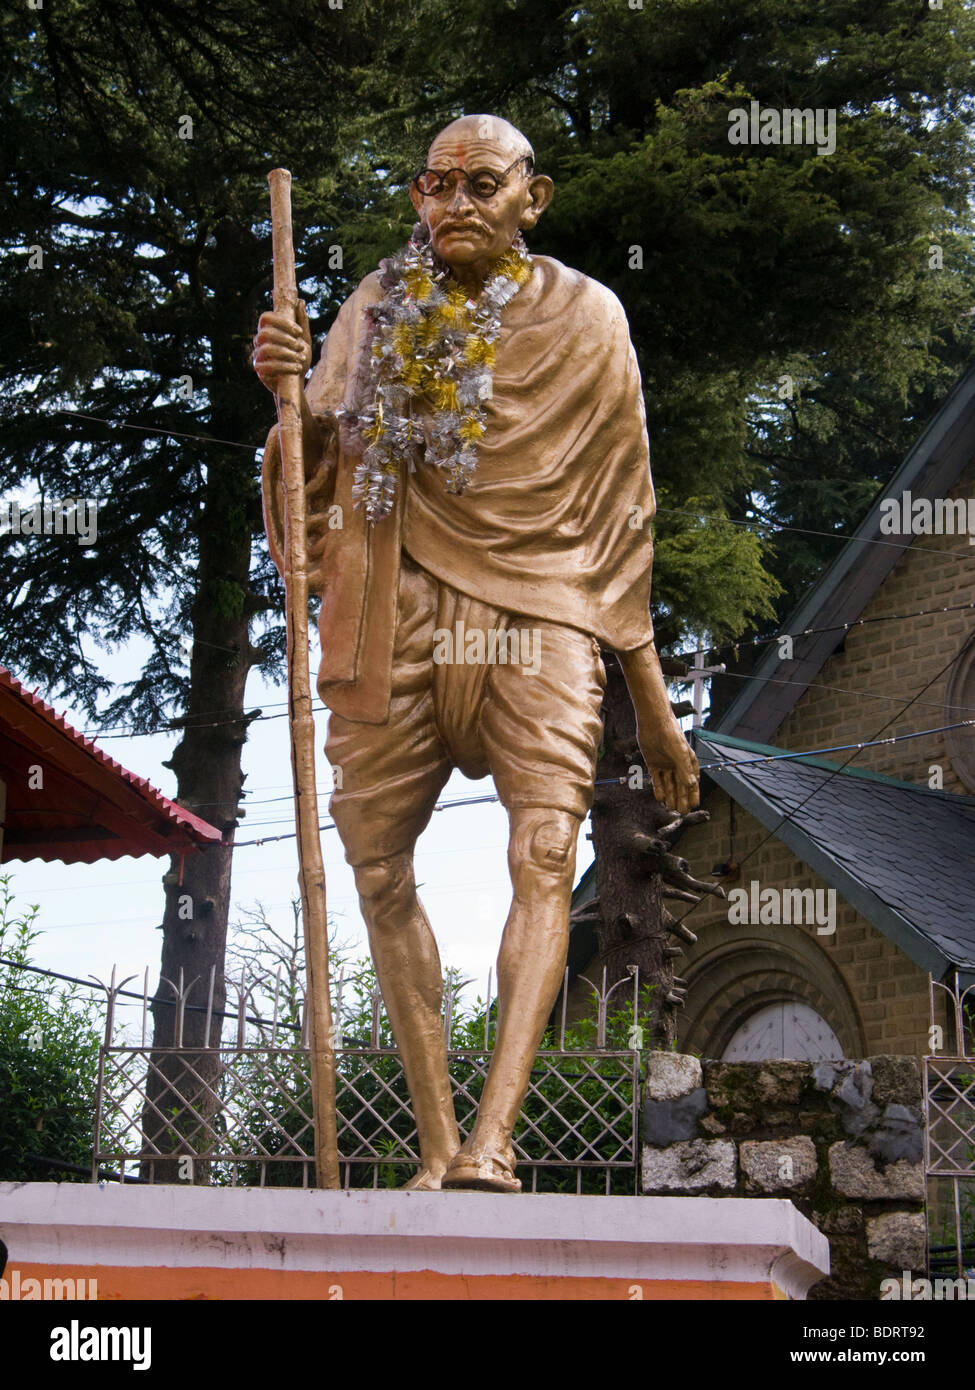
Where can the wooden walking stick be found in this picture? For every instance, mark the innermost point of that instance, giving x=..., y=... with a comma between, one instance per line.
x=311, y=870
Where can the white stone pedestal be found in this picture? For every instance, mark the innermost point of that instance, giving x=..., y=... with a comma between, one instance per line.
x=250, y=1243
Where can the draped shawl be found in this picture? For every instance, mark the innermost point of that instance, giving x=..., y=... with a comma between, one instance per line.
x=555, y=523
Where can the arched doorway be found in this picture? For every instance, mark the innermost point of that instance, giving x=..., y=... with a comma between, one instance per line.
x=789, y=1029
x=768, y=991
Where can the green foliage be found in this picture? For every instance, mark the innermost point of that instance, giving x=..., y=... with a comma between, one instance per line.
x=140, y=136
x=732, y=588
x=49, y=1040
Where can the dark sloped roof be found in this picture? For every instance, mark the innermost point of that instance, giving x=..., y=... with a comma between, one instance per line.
x=902, y=855
x=88, y=806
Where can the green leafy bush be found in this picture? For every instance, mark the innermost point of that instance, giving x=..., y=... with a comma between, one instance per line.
x=49, y=1040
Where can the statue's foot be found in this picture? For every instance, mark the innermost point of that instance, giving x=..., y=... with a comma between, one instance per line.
x=425, y=1181
x=488, y=1171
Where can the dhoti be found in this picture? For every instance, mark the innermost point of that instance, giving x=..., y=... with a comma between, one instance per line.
x=531, y=723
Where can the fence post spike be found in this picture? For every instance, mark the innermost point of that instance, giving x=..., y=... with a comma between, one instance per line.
x=209, y=1017
x=274, y=1013
x=376, y=999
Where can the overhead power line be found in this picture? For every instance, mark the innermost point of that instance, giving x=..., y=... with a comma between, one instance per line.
x=734, y=646
x=748, y=523
x=604, y=781
x=159, y=430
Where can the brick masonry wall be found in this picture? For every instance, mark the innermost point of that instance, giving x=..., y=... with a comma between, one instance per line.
x=888, y=662
x=842, y=1140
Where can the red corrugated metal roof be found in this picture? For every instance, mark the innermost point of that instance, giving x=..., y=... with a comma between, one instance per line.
x=84, y=805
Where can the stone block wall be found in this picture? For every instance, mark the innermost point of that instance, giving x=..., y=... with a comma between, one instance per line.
x=843, y=1140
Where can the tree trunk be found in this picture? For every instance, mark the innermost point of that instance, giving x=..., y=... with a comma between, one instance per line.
x=636, y=870
x=629, y=928
x=207, y=764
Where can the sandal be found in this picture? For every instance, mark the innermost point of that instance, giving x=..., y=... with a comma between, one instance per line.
x=424, y=1181
x=487, y=1172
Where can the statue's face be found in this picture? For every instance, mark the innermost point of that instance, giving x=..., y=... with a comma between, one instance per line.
x=469, y=231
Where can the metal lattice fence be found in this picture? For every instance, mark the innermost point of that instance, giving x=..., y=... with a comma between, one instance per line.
x=949, y=1132
x=241, y=1113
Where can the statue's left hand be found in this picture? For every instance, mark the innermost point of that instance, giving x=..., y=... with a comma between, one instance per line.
x=673, y=767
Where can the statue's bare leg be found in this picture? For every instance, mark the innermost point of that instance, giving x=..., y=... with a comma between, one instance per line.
x=531, y=963
x=408, y=967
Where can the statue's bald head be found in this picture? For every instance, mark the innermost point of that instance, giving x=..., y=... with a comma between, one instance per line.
x=462, y=139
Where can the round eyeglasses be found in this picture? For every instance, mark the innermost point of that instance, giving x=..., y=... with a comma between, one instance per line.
x=482, y=184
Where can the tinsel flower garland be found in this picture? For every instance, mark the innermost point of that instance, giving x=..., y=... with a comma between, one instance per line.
x=429, y=341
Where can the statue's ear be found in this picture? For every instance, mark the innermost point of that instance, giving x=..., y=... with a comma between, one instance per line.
x=541, y=190
x=415, y=199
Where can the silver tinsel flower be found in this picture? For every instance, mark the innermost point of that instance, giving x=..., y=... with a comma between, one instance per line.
x=401, y=440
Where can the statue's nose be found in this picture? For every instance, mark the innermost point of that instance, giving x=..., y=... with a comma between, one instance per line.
x=459, y=196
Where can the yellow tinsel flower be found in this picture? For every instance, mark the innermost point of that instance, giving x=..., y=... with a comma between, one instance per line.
x=454, y=310
x=513, y=267
x=428, y=331
x=412, y=374
x=444, y=394
x=471, y=429
x=418, y=284
x=403, y=340
x=478, y=352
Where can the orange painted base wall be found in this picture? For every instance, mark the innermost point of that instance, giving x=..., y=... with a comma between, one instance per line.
x=133, y=1283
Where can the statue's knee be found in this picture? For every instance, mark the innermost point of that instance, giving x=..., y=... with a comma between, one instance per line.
x=385, y=884
x=543, y=845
